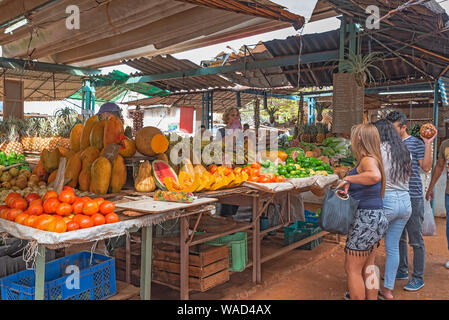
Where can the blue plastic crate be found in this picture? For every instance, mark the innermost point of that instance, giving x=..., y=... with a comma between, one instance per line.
x=310, y=216
x=96, y=281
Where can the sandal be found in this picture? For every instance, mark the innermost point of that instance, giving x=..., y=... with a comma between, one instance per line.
x=379, y=296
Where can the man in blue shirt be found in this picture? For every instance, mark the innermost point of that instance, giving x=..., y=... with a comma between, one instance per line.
x=422, y=159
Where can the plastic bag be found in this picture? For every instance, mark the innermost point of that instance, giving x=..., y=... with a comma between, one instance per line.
x=428, y=227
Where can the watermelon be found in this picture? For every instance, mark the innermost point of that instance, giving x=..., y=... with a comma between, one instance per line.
x=161, y=170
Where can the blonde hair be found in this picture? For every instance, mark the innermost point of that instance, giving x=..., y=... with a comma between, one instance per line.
x=365, y=142
x=227, y=114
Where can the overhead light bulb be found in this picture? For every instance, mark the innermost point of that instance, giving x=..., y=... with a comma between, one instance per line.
x=16, y=25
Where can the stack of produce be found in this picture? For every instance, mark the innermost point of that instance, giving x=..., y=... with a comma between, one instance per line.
x=16, y=180
x=304, y=167
x=57, y=212
x=196, y=178
x=265, y=172
x=13, y=158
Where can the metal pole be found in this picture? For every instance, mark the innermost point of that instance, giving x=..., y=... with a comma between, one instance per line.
x=435, y=118
x=145, y=264
x=342, y=42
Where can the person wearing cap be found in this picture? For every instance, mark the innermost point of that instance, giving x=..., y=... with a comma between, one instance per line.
x=109, y=108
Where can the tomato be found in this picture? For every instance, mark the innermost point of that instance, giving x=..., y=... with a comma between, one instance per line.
x=77, y=218
x=3, y=207
x=112, y=218
x=247, y=170
x=29, y=222
x=37, y=201
x=90, y=207
x=58, y=217
x=271, y=177
x=99, y=201
x=107, y=207
x=50, y=194
x=67, y=188
x=255, y=172
x=64, y=209
x=35, y=209
x=98, y=219
x=253, y=179
x=213, y=168
x=237, y=170
x=19, y=203
x=11, y=196
x=280, y=179
x=256, y=165
x=60, y=226
x=85, y=199
x=77, y=207
x=86, y=222
x=50, y=205
x=32, y=196
x=67, y=197
x=13, y=213
x=43, y=222
x=67, y=219
x=72, y=225
x=264, y=179
x=20, y=219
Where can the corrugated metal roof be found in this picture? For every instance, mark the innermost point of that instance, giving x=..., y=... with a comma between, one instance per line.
x=111, y=31
x=222, y=99
x=43, y=86
x=159, y=64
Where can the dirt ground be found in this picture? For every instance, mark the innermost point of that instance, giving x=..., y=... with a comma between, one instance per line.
x=326, y=279
x=319, y=274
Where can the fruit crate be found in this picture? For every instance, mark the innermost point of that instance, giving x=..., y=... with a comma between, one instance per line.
x=96, y=279
x=238, y=250
x=310, y=216
x=301, y=230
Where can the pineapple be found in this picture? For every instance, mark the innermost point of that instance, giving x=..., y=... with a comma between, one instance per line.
x=137, y=120
x=305, y=136
x=320, y=133
x=13, y=137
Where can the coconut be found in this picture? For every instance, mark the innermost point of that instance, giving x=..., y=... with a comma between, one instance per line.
x=5, y=177
x=21, y=182
x=6, y=185
x=34, y=179
x=14, y=172
x=42, y=183
x=25, y=172
x=15, y=188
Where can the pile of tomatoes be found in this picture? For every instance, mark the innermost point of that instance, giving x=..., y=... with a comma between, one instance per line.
x=255, y=174
x=58, y=212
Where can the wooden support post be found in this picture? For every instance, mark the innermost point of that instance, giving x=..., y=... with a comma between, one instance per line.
x=128, y=260
x=145, y=265
x=39, y=291
x=342, y=42
x=184, y=248
x=255, y=238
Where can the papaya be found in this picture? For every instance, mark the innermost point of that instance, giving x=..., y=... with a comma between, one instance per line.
x=52, y=176
x=84, y=179
x=68, y=154
x=100, y=176
x=118, y=176
x=113, y=131
x=73, y=169
x=150, y=141
x=97, y=134
x=88, y=156
x=50, y=160
x=85, y=136
x=75, y=137
x=145, y=181
x=128, y=148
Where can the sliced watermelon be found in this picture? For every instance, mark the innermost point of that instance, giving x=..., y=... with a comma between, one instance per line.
x=161, y=170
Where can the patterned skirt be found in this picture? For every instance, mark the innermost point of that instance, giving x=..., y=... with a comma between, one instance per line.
x=366, y=231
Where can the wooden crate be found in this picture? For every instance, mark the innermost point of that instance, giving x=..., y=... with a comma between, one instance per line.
x=199, y=256
x=195, y=284
x=208, y=266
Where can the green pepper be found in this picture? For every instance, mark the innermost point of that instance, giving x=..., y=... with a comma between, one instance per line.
x=291, y=168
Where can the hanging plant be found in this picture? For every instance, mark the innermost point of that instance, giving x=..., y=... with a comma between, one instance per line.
x=361, y=66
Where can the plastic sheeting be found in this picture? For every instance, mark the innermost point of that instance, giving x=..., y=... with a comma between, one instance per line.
x=297, y=183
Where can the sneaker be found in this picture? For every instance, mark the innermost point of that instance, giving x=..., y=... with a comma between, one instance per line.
x=447, y=265
x=414, y=285
x=401, y=276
